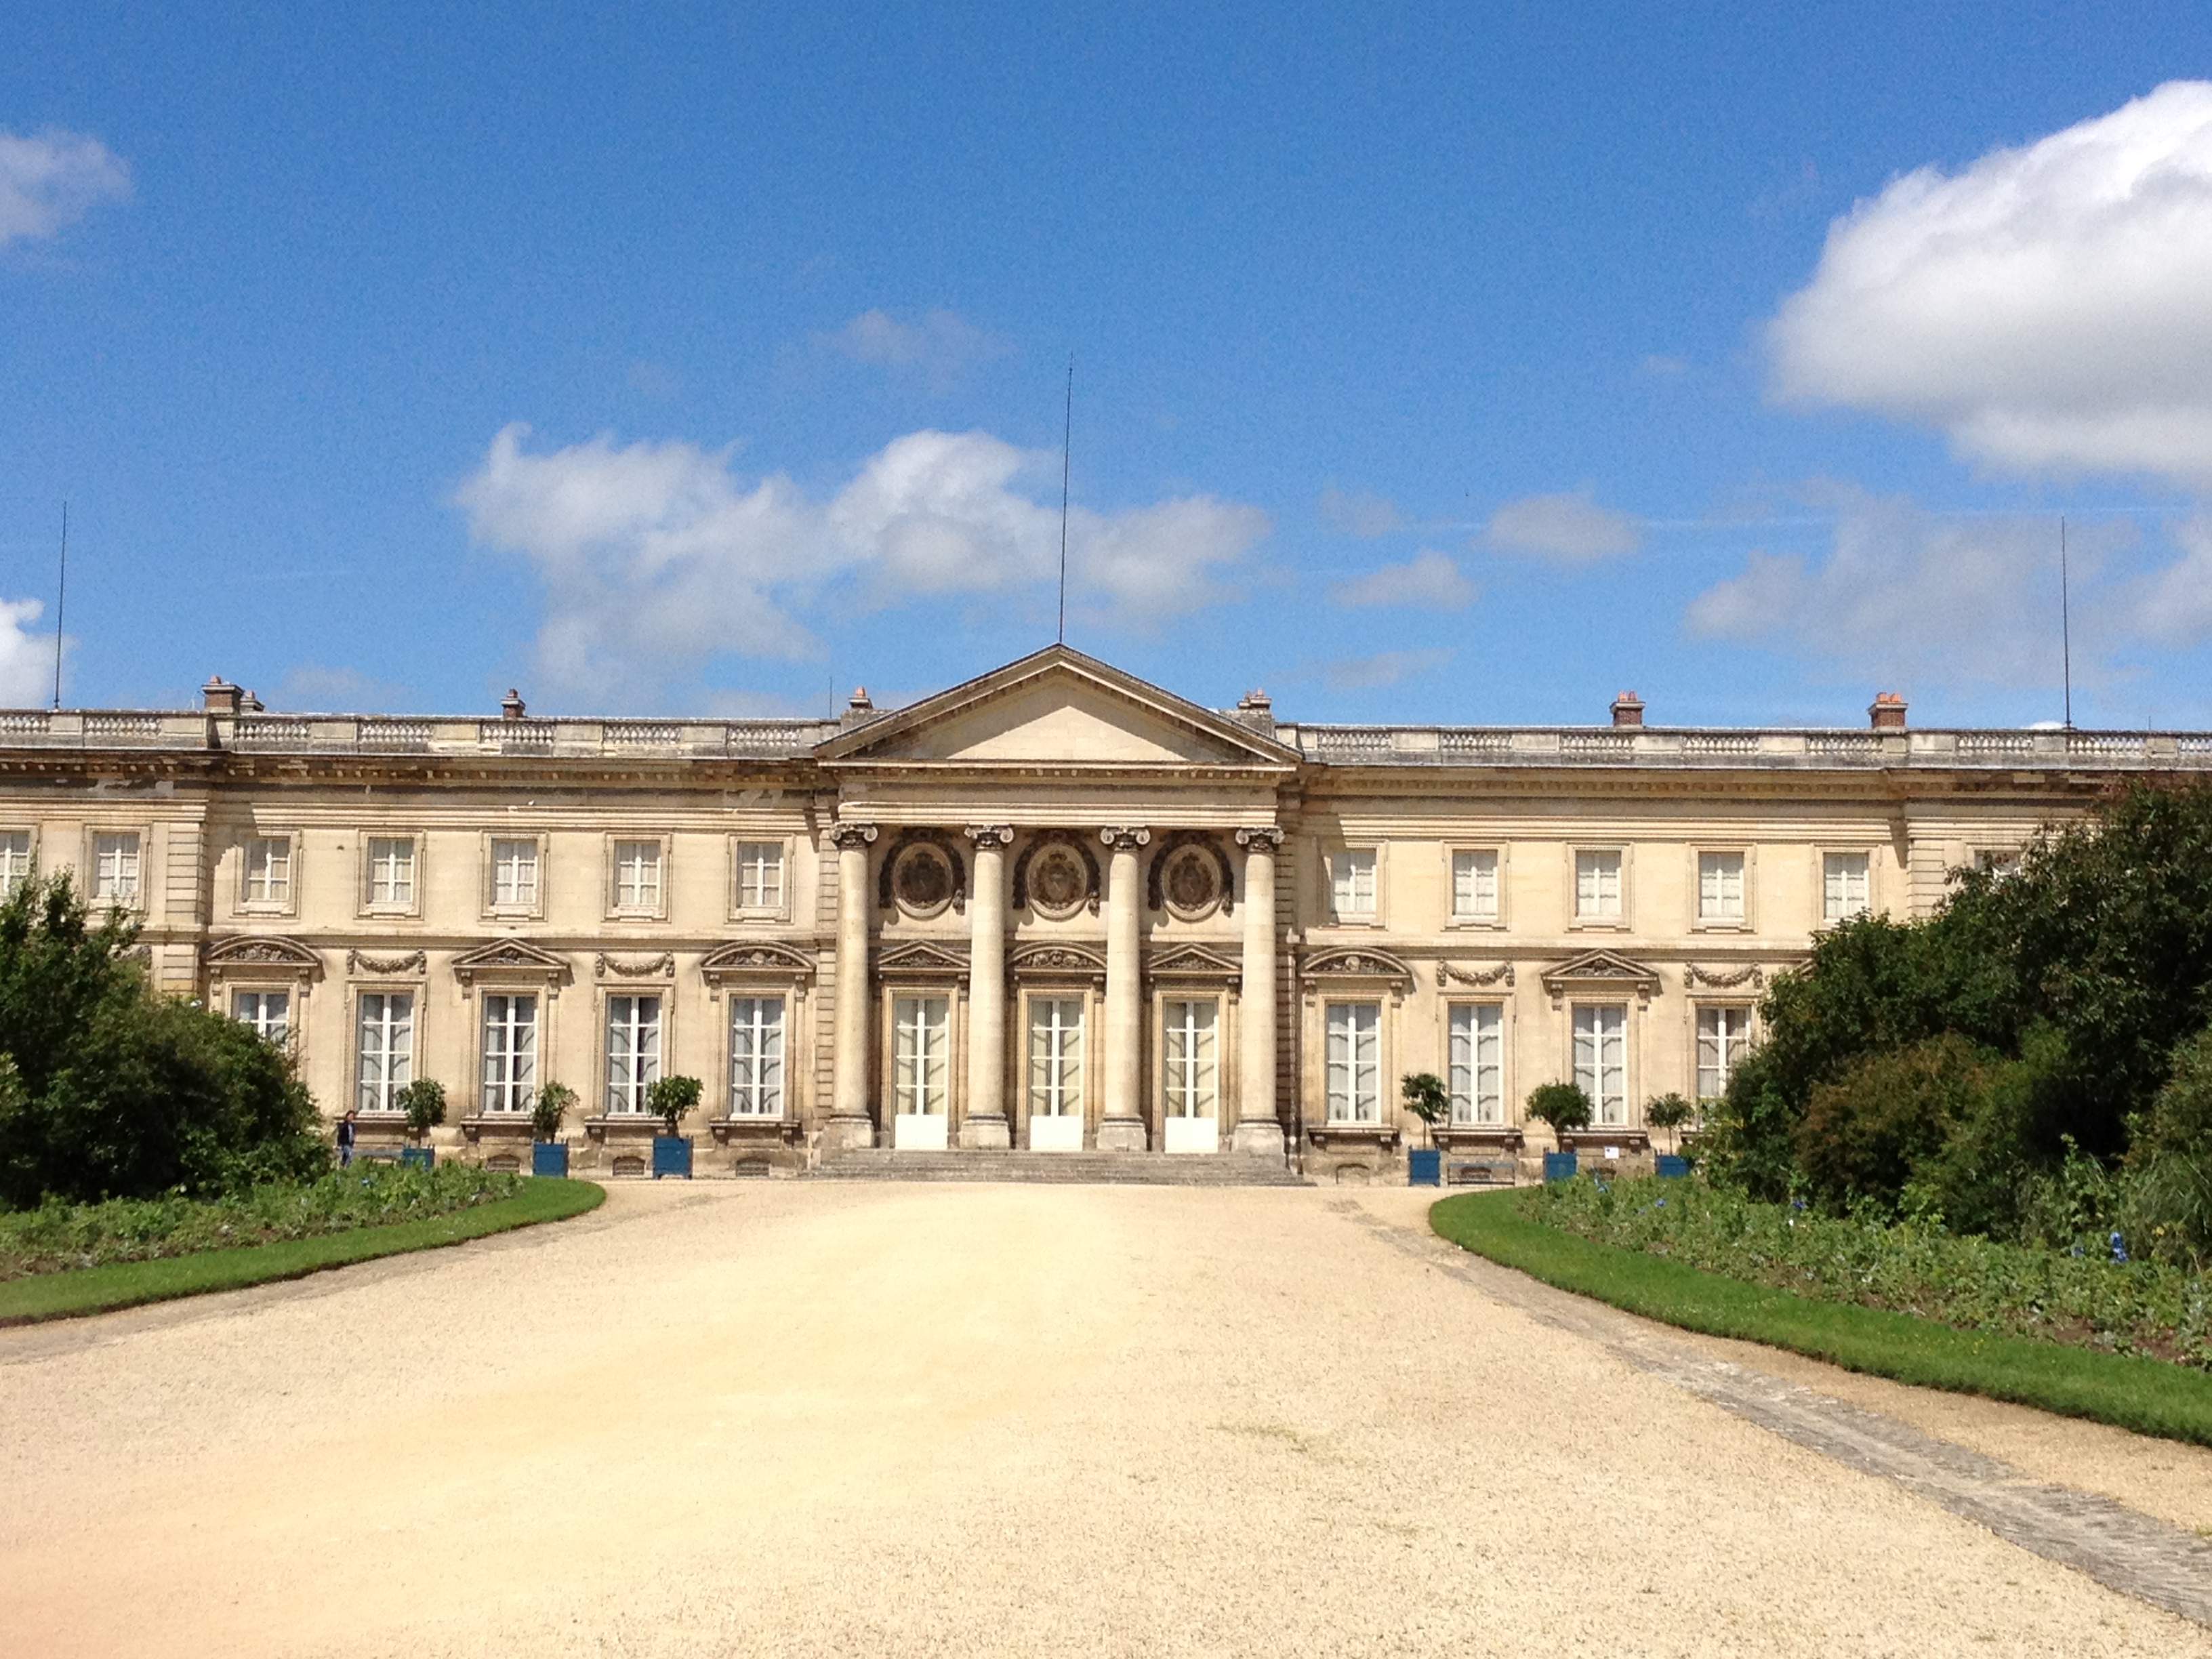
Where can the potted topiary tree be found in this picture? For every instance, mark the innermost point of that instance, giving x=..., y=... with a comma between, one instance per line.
x=669, y=1099
x=1565, y=1108
x=1670, y=1111
x=1427, y=1099
x=549, y=1154
x=424, y=1101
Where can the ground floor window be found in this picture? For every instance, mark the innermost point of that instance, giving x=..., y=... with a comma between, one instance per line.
x=1723, y=1034
x=921, y=1048
x=510, y=1053
x=633, y=1051
x=385, y=1050
x=1601, y=1060
x=1477, y=1063
x=755, y=1056
x=1354, y=1062
x=1187, y=1050
x=269, y=1012
x=1055, y=1056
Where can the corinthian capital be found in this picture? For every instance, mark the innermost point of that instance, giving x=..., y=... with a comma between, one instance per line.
x=1260, y=838
x=1125, y=839
x=852, y=837
x=989, y=837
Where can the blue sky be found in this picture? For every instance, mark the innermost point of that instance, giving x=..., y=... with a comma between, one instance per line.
x=1465, y=363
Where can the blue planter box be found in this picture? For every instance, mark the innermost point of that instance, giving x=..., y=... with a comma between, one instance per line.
x=671, y=1156
x=1424, y=1167
x=1558, y=1166
x=548, y=1157
x=1670, y=1164
x=417, y=1158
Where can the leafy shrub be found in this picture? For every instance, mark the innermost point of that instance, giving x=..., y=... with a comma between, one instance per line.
x=669, y=1097
x=1562, y=1105
x=1864, y=1135
x=1426, y=1099
x=424, y=1100
x=1670, y=1111
x=554, y=1103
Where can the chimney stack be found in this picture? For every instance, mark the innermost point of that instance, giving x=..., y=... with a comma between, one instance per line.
x=1628, y=709
x=511, y=705
x=219, y=697
x=1256, y=709
x=1886, y=711
x=859, y=707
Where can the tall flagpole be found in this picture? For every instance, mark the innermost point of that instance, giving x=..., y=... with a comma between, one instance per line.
x=1067, y=445
x=61, y=599
x=2065, y=625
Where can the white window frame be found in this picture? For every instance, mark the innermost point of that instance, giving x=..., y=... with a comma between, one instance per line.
x=636, y=908
x=1343, y=870
x=1063, y=1061
x=511, y=1047
x=919, y=1078
x=269, y=903
x=1730, y=1040
x=1719, y=921
x=2002, y=862
x=401, y=1042
x=1615, y=919
x=278, y=1031
x=134, y=897
x=418, y=845
x=759, y=1068
x=1833, y=910
x=516, y=904
x=1589, y=1065
x=1455, y=917
x=740, y=845
x=635, y=1043
x=11, y=870
x=1190, y=1057
x=1474, y=1084
x=1352, y=1060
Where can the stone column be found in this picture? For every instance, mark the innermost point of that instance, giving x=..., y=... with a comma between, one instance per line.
x=851, y=1121
x=984, y=1123
x=1122, y=1129
x=1259, y=1127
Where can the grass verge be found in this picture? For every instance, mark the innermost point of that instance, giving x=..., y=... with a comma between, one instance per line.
x=129, y=1284
x=2148, y=1397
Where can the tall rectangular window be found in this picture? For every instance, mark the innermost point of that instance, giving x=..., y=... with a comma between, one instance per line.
x=921, y=1050
x=1720, y=887
x=1477, y=1063
x=514, y=874
x=269, y=1012
x=510, y=1052
x=760, y=875
x=1056, y=1056
x=384, y=1051
x=1351, y=884
x=1474, y=885
x=637, y=875
x=633, y=1051
x=1601, y=1060
x=1844, y=889
x=268, y=870
x=115, y=868
x=755, y=1056
x=14, y=857
x=1188, y=1055
x=390, y=861
x=1597, y=885
x=1354, y=1062
x=1723, y=1034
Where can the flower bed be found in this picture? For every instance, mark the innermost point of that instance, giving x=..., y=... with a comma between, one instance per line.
x=2090, y=1300
x=59, y=1237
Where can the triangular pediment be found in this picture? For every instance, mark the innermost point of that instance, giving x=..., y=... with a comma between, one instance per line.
x=1602, y=968
x=922, y=958
x=1193, y=962
x=1058, y=708
x=509, y=955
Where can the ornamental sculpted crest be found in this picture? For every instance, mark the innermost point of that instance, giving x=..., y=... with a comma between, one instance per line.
x=1058, y=882
x=924, y=881
x=1191, y=883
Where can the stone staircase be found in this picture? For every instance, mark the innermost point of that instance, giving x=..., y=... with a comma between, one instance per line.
x=1082, y=1169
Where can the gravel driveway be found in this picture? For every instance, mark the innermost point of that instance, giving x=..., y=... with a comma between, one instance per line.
x=890, y=1419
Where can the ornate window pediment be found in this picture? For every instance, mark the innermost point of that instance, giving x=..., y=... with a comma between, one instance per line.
x=1193, y=962
x=268, y=955
x=1600, y=971
x=1358, y=965
x=1052, y=959
x=510, y=959
x=922, y=959
x=755, y=959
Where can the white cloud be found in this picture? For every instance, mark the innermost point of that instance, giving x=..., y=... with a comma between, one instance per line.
x=52, y=179
x=2050, y=308
x=1384, y=668
x=2174, y=607
x=939, y=348
x=656, y=556
x=1913, y=594
x=26, y=660
x=1429, y=579
x=1359, y=513
x=1561, y=529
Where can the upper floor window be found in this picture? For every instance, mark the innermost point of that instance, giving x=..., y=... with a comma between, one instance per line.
x=760, y=875
x=15, y=857
x=1844, y=890
x=390, y=863
x=514, y=874
x=115, y=868
x=268, y=871
x=1474, y=885
x=1351, y=884
x=637, y=875
x=1597, y=885
x=1720, y=887
x=2002, y=862
x=269, y=1012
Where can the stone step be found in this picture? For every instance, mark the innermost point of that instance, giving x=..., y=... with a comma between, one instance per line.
x=1090, y=1167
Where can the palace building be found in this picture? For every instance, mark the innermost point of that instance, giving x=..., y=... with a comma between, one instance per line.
x=1054, y=909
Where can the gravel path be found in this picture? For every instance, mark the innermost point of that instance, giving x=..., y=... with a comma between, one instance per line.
x=806, y=1418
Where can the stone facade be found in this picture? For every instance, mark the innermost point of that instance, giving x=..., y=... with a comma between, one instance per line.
x=1054, y=907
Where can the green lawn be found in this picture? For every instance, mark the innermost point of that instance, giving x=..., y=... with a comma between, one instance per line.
x=2148, y=1397
x=128, y=1283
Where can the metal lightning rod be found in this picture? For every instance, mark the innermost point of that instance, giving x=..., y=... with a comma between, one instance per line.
x=61, y=597
x=1067, y=445
x=2065, y=625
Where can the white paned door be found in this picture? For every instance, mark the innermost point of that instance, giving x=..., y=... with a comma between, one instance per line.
x=1055, y=1045
x=921, y=1053
x=1191, y=1085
